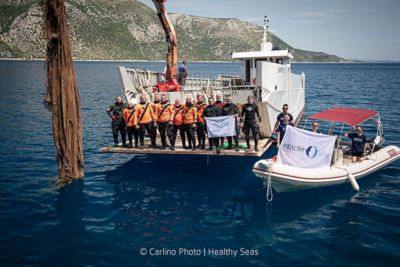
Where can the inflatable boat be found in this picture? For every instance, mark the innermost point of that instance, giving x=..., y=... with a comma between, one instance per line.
x=299, y=168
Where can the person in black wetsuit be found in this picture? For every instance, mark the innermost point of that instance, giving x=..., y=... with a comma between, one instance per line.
x=231, y=109
x=118, y=125
x=212, y=111
x=251, y=121
x=358, y=140
x=219, y=104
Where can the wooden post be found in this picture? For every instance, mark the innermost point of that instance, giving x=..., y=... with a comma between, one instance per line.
x=62, y=94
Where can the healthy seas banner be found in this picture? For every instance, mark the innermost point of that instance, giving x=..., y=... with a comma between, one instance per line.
x=221, y=126
x=305, y=149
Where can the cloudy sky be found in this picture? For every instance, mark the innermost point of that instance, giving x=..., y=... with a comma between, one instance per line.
x=353, y=29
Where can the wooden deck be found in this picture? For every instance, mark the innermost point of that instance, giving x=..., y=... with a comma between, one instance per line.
x=180, y=151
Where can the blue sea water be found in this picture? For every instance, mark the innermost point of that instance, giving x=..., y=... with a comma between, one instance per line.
x=127, y=205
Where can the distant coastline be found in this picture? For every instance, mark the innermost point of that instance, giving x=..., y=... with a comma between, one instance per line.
x=204, y=61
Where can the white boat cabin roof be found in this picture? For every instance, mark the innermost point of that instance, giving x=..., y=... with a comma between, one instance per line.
x=263, y=54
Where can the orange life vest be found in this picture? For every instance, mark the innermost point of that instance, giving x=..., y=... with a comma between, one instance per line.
x=179, y=112
x=155, y=107
x=200, y=109
x=165, y=112
x=145, y=117
x=190, y=115
x=131, y=117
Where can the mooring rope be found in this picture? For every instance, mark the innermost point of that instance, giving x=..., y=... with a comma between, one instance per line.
x=269, y=194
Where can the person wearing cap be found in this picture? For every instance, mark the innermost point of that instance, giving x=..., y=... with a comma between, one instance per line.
x=115, y=112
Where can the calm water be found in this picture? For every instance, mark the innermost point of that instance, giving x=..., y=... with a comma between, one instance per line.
x=126, y=203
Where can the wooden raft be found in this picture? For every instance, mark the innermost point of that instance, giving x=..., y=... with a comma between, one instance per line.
x=180, y=151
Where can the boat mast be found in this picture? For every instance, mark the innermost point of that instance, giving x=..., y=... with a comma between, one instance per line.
x=266, y=46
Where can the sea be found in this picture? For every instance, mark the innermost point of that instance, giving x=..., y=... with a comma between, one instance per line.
x=137, y=210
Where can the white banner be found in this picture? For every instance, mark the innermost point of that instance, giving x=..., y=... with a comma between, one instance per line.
x=305, y=149
x=221, y=126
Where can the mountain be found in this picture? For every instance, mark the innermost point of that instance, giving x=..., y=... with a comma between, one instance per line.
x=128, y=29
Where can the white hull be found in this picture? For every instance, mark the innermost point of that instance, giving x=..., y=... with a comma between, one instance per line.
x=286, y=178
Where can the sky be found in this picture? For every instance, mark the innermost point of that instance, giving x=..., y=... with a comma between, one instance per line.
x=352, y=29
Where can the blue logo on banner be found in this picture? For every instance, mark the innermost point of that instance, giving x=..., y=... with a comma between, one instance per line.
x=311, y=152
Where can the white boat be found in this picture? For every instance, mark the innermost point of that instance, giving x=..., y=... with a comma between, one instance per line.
x=266, y=75
x=284, y=178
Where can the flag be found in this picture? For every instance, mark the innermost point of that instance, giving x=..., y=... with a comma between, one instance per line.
x=221, y=126
x=305, y=149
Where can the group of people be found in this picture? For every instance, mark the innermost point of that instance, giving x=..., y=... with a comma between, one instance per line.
x=188, y=119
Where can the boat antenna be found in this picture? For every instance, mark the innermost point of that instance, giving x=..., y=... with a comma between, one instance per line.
x=266, y=29
x=266, y=46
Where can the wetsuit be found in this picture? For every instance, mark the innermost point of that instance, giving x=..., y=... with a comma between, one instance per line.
x=232, y=109
x=118, y=123
x=212, y=111
x=250, y=114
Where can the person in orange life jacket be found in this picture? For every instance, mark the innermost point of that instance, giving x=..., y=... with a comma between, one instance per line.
x=177, y=123
x=231, y=109
x=282, y=128
x=165, y=115
x=131, y=122
x=201, y=126
x=146, y=121
x=189, y=123
x=117, y=121
x=212, y=111
x=155, y=105
x=250, y=114
x=219, y=104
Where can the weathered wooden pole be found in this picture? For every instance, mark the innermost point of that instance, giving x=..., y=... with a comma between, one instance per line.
x=62, y=94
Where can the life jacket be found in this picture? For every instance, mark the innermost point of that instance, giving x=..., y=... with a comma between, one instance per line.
x=200, y=109
x=165, y=112
x=130, y=119
x=190, y=116
x=155, y=106
x=145, y=117
x=179, y=112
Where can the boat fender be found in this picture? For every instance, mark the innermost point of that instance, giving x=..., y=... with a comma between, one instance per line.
x=353, y=181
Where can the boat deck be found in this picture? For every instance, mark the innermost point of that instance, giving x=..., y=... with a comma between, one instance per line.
x=179, y=150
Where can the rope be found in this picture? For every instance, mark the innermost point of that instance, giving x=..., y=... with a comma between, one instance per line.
x=269, y=194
